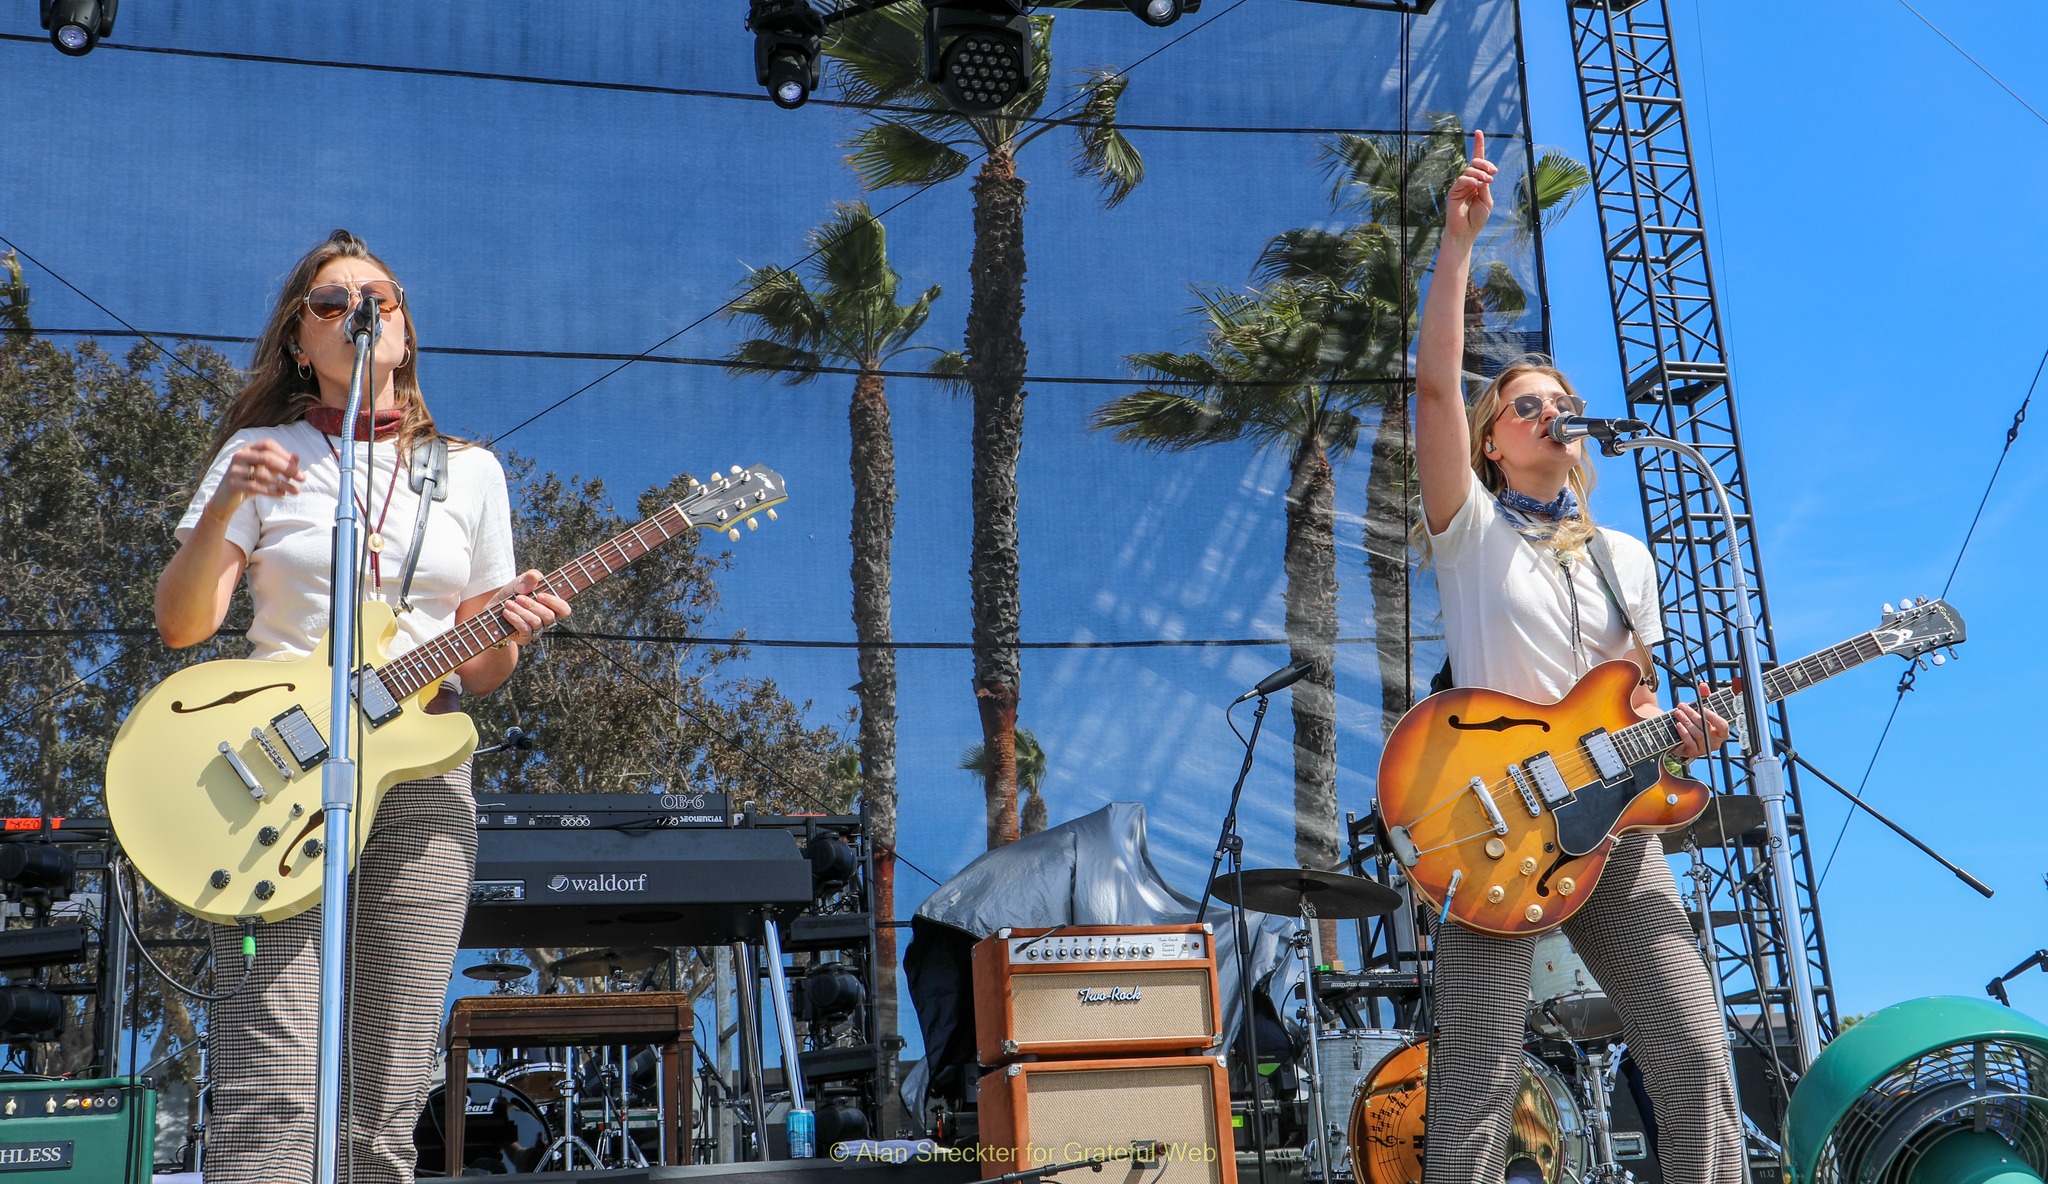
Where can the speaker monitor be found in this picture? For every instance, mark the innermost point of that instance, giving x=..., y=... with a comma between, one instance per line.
x=1037, y=1114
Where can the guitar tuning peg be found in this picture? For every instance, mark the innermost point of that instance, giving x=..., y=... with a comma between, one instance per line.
x=1888, y=608
x=771, y=515
x=734, y=470
x=1952, y=653
x=1905, y=602
x=753, y=524
x=1939, y=659
x=733, y=534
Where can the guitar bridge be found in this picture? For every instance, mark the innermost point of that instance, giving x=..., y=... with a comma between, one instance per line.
x=1527, y=789
x=1478, y=788
x=301, y=738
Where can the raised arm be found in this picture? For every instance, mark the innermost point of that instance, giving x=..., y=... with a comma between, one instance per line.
x=1443, y=442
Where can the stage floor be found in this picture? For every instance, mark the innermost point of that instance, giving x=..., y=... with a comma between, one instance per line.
x=798, y=1171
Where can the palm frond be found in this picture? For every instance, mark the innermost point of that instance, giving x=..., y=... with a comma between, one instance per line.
x=851, y=254
x=1165, y=420
x=1550, y=191
x=1102, y=150
x=762, y=356
x=911, y=318
x=950, y=368
x=777, y=301
x=892, y=152
x=878, y=58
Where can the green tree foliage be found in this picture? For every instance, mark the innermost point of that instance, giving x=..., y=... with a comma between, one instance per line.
x=917, y=138
x=1031, y=765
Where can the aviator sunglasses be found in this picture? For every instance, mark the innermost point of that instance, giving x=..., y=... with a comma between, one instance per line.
x=1531, y=406
x=329, y=301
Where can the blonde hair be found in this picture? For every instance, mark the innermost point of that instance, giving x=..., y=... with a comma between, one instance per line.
x=1570, y=536
x=278, y=394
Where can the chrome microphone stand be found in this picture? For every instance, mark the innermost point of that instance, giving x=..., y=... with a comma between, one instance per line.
x=338, y=773
x=1767, y=775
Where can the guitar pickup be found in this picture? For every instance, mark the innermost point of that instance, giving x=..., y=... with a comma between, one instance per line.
x=1549, y=782
x=375, y=698
x=1606, y=757
x=301, y=738
x=1478, y=788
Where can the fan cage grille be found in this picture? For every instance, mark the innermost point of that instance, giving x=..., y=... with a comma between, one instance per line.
x=2001, y=1087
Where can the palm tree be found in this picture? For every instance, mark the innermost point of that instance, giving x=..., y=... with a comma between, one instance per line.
x=921, y=140
x=1280, y=370
x=849, y=316
x=1030, y=774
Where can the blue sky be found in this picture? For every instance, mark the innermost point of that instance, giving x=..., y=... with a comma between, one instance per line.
x=1869, y=199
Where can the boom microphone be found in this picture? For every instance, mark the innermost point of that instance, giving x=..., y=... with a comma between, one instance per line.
x=365, y=319
x=1284, y=677
x=1566, y=428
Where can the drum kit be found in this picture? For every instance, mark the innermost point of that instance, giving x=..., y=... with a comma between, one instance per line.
x=551, y=1109
x=1367, y=1087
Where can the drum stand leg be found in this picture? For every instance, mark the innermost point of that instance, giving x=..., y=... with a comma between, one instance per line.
x=1597, y=1081
x=1311, y=946
x=568, y=1143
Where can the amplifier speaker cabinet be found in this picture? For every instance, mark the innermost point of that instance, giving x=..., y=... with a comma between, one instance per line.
x=1094, y=991
x=1040, y=1113
x=71, y=1132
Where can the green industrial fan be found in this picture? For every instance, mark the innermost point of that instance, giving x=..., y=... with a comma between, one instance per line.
x=1947, y=1090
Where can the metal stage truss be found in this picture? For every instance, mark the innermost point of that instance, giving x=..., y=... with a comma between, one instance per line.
x=1668, y=328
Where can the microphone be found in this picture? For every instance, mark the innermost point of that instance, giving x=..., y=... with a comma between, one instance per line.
x=365, y=319
x=1566, y=428
x=1280, y=679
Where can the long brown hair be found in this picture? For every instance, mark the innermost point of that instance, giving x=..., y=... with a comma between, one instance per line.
x=277, y=394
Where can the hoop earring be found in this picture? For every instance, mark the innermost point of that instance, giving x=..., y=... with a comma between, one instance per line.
x=305, y=371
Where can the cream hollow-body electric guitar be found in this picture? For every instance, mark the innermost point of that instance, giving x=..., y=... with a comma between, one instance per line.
x=214, y=781
x=1503, y=812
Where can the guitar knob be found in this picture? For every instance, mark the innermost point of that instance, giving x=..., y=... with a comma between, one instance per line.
x=220, y=878
x=265, y=890
x=313, y=848
x=268, y=836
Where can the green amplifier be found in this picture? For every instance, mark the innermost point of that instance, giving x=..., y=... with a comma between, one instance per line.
x=102, y=1131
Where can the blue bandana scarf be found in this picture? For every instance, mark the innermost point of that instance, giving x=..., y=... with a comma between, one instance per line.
x=1521, y=505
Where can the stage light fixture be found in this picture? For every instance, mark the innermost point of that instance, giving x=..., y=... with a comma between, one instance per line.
x=978, y=52
x=786, y=60
x=28, y=1011
x=75, y=26
x=1158, y=13
x=40, y=872
x=832, y=862
x=832, y=990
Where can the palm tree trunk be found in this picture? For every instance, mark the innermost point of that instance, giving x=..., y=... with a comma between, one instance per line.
x=995, y=370
x=1387, y=486
x=873, y=535
x=1312, y=636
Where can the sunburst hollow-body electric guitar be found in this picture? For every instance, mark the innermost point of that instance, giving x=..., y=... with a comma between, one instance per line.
x=1503, y=812
x=214, y=780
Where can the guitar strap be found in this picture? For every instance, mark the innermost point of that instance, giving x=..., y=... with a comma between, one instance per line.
x=429, y=479
x=1603, y=565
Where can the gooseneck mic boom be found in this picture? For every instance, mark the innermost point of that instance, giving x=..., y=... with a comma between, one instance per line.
x=1566, y=428
x=1284, y=677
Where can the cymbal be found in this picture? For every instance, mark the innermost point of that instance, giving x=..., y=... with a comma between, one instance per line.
x=496, y=972
x=1281, y=891
x=598, y=963
x=1728, y=818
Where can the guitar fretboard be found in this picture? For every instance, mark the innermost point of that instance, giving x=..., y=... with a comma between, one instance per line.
x=1655, y=737
x=419, y=667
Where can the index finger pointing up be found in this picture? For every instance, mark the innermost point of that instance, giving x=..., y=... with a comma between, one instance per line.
x=1478, y=145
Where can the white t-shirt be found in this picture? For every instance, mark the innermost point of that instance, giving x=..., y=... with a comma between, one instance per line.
x=289, y=540
x=1508, y=609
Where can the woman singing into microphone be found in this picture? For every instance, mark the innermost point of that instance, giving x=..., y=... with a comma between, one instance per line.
x=266, y=508
x=1526, y=613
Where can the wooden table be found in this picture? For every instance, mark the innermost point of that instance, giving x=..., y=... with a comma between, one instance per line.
x=660, y=1018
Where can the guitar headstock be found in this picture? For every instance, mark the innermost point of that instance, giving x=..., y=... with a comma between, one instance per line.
x=1917, y=628
x=733, y=497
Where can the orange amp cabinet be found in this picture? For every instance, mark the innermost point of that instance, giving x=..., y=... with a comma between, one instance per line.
x=1095, y=991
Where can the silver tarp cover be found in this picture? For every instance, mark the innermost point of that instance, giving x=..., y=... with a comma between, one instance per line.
x=1096, y=870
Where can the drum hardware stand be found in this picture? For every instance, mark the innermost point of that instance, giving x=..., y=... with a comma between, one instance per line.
x=1309, y=943
x=568, y=1143
x=1230, y=845
x=785, y=1024
x=1597, y=1078
x=338, y=773
x=619, y=1124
